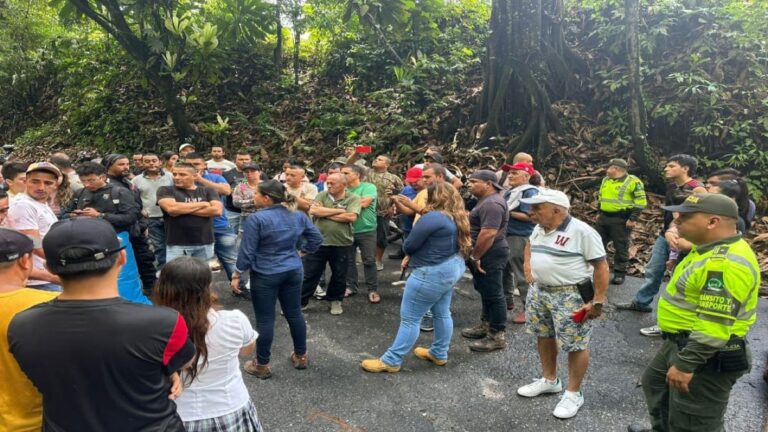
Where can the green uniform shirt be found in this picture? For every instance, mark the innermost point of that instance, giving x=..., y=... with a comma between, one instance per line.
x=337, y=233
x=713, y=295
x=366, y=222
x=623, y=194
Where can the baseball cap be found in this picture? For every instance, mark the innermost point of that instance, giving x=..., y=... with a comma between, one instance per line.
x=486, y=175
x=14, y=244
x=549, y=196
x=94, y=235
x=705, y=202
x=44, y=166
x=185, y=145
x=413, y=175
x=436, y=157
x=621, y=163
x=251, y=166
x=523, y=166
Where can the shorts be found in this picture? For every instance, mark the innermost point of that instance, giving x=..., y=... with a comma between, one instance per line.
x=548, y=315
x=382, y=231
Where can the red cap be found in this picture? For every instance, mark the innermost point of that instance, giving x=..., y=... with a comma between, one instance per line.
x=413, y=175
x=523, y=166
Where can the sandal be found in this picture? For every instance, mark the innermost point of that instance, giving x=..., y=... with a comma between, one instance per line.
x=374, y=297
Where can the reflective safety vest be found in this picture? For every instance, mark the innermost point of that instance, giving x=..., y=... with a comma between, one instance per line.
x=622, y=194
x=712, y=293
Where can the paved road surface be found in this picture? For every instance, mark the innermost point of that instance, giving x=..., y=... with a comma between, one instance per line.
x=473, y=392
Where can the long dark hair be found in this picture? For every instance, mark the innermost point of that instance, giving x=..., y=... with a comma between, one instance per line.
x=185, y=285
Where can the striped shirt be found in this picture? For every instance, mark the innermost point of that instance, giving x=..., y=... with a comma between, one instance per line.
x=563, y=256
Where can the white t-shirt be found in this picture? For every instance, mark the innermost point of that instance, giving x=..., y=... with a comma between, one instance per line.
x=28, y=214
x=218, y=388
x=562, y=256
x=219, y=167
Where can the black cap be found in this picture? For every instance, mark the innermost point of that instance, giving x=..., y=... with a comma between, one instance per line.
x=486, y=175
x=251, y=166
x=13, y=245
x=95, y=235
x=710, y=203
x=436, y=157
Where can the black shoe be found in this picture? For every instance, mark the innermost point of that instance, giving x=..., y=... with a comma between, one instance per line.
x=638, y=428
x=633, y=307
x=617, y=279
x=427, y=324
x=397, y=255
x=245, y=294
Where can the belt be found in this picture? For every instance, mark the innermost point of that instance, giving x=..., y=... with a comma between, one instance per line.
x=620, y=213
x=675, y=337
x=557, y=288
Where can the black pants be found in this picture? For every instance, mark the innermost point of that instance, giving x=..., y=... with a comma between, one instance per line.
x=145, y=262
x=337, y=257
x=491, y=287
x=614, y=228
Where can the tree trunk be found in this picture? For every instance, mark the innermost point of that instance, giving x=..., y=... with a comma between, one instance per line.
x=278, y=53
x=637, y=116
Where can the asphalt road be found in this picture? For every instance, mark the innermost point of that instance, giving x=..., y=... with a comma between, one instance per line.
x=474, y=391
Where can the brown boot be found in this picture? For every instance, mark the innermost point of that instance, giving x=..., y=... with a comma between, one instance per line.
x=477, y=332
x=299, y=361
x=257, y=370
x=493, y=341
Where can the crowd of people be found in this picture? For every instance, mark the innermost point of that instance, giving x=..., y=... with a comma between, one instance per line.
x=117, y=252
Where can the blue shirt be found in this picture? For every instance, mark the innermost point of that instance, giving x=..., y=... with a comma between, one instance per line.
x=432, y=241
x=517, y=227
x=220, y=223
x=406, y=222
x=271, y=239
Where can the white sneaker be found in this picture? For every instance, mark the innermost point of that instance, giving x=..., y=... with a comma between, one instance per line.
x=336, y=308
x=540, y=386
x=319, y=292
x=379, y=266
x=569, y=405
x=652, y=331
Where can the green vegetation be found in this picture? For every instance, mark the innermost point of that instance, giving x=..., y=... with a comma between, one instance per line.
x=307, y=77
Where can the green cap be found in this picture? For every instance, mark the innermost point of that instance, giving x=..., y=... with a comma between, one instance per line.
x=621, y=163
x=710, y=203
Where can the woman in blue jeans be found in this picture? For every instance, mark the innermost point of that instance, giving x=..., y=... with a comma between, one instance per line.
x=436, y=249
x=269, y=249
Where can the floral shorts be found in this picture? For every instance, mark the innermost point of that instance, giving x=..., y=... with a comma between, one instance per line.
x=548, y=315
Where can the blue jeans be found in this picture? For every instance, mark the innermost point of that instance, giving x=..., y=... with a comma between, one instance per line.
x=234, y=221
x=427, y=289
x=654, y=273
x=265, y=291
x=156, y=231
x=204, y=252
x=225, y=249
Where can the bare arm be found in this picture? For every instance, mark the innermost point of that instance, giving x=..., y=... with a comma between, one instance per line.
x=174, y=208
x=521, y=216
x=365, y=201
x=247, y=350
x=303, y=204
x=600, y=279
x=344, y=217
x=214, y=209
x=44, y=275
x=401, y=207
x=35, y=234
x=220, y=188
x=324, y=212
x=484, y=242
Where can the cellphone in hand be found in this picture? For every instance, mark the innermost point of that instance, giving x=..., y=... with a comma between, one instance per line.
x=578, y=316
x=363, y=149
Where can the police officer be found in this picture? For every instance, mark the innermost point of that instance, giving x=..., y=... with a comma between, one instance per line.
x=104, y=200
x=622, y=199
x=704, y=313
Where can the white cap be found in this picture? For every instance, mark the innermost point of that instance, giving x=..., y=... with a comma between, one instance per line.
x=549, y=196
x=185, y=145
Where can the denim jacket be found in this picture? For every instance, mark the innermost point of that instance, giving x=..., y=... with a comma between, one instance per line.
x=272, y=238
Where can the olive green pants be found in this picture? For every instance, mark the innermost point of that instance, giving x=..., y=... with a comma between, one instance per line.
x=700, y=410
x=614, y=229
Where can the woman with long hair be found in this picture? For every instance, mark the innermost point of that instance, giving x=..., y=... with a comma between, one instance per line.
x=214, y=393
x=268, y=249
x=436, y=249
x=169, y=159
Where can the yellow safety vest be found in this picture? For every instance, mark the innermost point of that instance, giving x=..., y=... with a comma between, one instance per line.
x=712, y=293
x=622, y=194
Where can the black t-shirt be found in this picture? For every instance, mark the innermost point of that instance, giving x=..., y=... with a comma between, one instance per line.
x=234, y=178
x=102, y=365
x=675, y=196
x=188, y=230
x=490, y=212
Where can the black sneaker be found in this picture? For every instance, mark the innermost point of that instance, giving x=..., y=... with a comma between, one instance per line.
x=245, y=294
x=633, y=307
x=617, y=279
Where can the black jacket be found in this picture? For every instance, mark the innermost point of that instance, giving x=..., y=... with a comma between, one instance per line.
x=117, y=204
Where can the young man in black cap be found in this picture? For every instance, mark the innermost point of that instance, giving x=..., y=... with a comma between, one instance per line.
x=22, y=408
x=119, y=356
x=487, y=224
